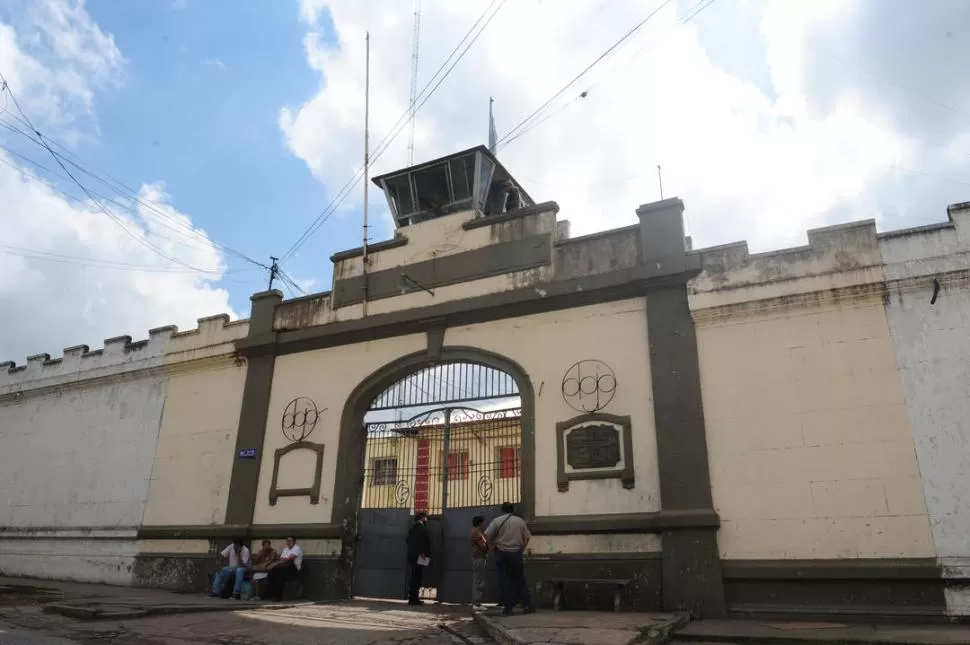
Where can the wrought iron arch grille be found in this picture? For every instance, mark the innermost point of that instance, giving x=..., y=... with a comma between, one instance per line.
x=405, y=463
x=451, y=383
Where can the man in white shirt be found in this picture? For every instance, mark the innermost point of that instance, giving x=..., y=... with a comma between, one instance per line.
x=289, y=565
x=236, y=555
x=510, y=536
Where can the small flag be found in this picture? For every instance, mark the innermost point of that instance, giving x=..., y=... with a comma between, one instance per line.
x=492, y=135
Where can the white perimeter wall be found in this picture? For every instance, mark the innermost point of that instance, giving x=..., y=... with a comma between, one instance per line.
x=932, y=343
x=77, y=457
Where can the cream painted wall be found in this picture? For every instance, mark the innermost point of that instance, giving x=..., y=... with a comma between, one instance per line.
x=471, y=289
x=546, y=345
x=327, y=376
x=437, y=238
x=810, y=447
x=196, y=444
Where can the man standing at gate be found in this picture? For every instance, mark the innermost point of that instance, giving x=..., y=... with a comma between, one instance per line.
x=419, y=550
x=510, y=536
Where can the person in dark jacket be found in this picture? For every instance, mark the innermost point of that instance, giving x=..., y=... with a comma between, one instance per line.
x=419, y=550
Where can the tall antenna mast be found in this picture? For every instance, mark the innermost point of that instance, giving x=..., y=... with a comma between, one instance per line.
x=414, y=77
x=660, y=180
x=366, y=166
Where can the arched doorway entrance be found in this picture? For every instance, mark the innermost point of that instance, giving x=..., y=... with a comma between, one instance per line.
x=446, y=439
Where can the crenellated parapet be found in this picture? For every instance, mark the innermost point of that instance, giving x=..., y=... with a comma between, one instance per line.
x=165, y=347
x=844, y=263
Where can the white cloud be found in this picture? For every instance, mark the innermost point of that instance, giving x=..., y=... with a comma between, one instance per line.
x=69, y=273
x=751, y=162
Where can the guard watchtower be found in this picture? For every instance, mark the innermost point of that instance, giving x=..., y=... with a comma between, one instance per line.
x=471, y=180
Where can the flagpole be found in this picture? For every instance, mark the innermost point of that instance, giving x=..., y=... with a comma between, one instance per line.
x=365, y=259
x=492, y=136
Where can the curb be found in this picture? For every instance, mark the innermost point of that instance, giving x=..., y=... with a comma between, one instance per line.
x=107, y=610
x=496, y=632
x=656, y=635
x=664, y=633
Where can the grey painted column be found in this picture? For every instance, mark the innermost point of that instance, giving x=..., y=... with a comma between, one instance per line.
x=252, y=416
x=692, y=579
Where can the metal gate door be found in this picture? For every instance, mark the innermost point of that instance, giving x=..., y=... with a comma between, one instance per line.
x=451, y=462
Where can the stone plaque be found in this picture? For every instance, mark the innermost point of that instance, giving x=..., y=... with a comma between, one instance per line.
x=593, y=446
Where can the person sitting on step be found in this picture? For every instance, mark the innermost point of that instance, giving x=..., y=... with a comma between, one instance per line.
x=233, y=560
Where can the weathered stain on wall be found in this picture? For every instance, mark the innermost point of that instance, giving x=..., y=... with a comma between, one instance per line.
x=930, y=323
x=597, y=253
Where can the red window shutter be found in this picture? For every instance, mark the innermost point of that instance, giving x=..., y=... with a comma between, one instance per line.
x=509, y=462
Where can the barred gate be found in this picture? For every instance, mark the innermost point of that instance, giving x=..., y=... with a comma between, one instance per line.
x=451, y=461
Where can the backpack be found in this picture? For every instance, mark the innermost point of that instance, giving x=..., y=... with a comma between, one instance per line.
x=248, y=591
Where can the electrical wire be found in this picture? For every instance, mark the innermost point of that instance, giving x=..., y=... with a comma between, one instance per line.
x=79, y=201
x=164, y=219
x=35, y=254
x=290, y=281
x=599, y=58
x=523, y=129
x=433, y=83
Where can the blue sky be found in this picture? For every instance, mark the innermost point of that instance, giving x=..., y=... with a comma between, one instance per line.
x=204, y=84
x=236, y=122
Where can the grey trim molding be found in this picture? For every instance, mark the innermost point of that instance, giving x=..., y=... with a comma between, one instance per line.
x=397, y=241
x=841, y=569
x=871, y=590
x=560, y=294
x=624, y=473
x=194, y=532
x=436, y=339
x=656, y=522
x=488, y=220
x=314, y=491
x=692, y=579
x=244, y=481
x=487, y=261
x=254, y=531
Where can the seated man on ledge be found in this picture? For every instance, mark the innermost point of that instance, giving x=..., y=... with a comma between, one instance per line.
x=262, y=562
x=237, y=556
x=288, y=566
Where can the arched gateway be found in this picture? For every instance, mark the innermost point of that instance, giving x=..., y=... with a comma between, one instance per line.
x=447, y=439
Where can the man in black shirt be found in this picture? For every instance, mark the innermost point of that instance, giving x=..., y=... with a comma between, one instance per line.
x=419, y=548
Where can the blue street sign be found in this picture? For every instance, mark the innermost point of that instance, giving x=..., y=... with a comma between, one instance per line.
x=247, y=453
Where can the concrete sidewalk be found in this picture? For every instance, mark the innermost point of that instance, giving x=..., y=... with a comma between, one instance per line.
x=579, y=627
x=792, y=633
x=603, y=628
x=94, y=601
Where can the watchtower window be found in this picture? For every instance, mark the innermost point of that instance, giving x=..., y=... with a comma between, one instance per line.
x=463, y=177
x=431, y=185
x=399, y=190
x=467, y=181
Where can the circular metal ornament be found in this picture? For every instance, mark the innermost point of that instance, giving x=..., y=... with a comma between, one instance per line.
x=588, y=386
x=485, y=488
x=402, y=492
x=299, y=418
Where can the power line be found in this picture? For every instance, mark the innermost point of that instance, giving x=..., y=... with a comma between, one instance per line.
x=81, y=202
x=507, y=139
x=40, y=137
x=433, y=83
x=599, y=58
x=35, y=254
x=174, y=224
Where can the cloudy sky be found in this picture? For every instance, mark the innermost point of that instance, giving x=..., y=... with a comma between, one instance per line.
x=208, y=133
